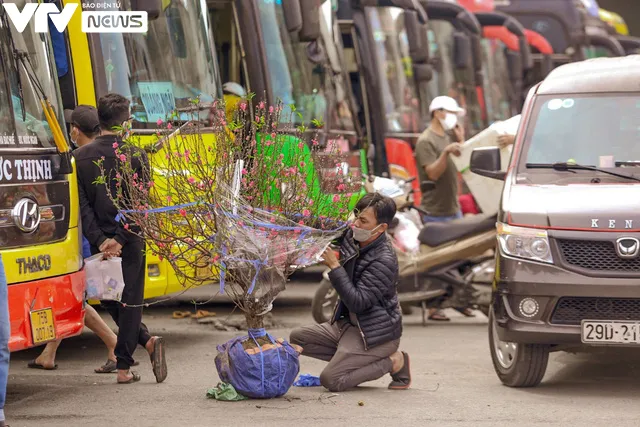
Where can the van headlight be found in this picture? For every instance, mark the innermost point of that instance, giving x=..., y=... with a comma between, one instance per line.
x=527, y=243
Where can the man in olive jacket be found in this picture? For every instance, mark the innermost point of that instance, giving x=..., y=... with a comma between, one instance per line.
x=361, y=341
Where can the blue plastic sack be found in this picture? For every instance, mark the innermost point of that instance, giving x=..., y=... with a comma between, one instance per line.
x=263, y=372
x=307, y=380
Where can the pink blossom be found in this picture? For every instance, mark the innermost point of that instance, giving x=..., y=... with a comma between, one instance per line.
x=126, y=226
x=302, y=164
x=304, y=186
x=336, y=198
x=261, y=105
x=301, y=222
x=271, y=109
x=244, y=171
x=341, y=187
x=183, y=212
x=159, y=122
x=191, y=180
x=115, y=145
x=135, y=175
x=123, y=158
x=215, y=258
x=311, y=202
x=306, y=213
x=301, y=145
x=272, y=219
x=118, y=176
x=169, y=126
x=168, y=199
x=314, y=142
x=273, y=135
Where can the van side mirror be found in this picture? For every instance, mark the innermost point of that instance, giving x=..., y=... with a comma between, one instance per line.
x=310, y=11
x=461, y=50
x=292, y=15
x=485, y=161
x=152, y=7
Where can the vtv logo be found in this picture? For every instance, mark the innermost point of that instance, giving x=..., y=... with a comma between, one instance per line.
x=92, y=22
x=42, y=12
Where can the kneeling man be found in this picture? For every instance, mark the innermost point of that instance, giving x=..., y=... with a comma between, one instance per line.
x=361, y=341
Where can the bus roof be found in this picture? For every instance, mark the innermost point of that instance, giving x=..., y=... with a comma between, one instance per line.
x=598, y=75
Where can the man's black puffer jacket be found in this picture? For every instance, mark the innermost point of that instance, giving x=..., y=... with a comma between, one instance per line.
x=366, y=284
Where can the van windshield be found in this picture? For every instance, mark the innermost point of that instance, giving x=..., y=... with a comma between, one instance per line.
x=588, y=130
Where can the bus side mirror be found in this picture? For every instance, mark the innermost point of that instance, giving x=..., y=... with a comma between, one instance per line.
x=422, y=72
x=461, y=50
x=417, y=37
x=152, y=7
x=292, y=15
x=525, y=53
x=476, y=52
x=176, y=29
x=310, y=11
x=514, y=65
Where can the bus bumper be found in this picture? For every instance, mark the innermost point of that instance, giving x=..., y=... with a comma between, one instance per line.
x=64, y=295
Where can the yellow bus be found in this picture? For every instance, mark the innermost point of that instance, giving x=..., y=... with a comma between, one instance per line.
x=159, y=71
x=40, y=236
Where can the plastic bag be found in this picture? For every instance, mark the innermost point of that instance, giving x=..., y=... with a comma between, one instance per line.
x=104, y=279
x=265, y=370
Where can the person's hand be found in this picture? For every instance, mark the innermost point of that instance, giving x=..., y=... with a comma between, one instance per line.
x=110, y=248
x=458, y=131
x=330, y=259
x=453, y=148
x=506, y=140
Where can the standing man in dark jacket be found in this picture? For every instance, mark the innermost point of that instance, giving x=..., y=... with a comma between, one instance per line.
x=361, y=341
x=109, y=236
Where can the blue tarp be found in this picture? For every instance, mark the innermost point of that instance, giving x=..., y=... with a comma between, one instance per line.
x=267, y=371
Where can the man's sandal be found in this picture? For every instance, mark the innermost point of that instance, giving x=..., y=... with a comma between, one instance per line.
x=401, y=380
x=134, y=379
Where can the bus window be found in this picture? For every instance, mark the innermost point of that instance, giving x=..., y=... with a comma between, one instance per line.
x=164, y=68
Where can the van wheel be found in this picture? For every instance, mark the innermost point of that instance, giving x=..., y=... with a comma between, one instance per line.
x=517, y=365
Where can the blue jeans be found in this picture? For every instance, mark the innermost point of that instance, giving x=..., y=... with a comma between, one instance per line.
x=5, y=333
x=429, y=218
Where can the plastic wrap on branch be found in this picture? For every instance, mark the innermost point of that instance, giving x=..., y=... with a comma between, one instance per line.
x=259, y=249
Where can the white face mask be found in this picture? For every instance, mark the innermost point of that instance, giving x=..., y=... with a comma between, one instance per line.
x=362, y=235
x=449, y=122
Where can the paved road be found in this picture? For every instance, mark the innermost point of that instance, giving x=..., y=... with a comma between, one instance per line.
x=454, y=385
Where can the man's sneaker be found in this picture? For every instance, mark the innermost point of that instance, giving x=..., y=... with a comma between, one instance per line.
x=401, y=380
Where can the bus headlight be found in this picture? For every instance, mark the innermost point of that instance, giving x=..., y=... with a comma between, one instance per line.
x=527, y=243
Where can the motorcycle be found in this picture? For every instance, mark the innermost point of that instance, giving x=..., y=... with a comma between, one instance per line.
x=441, y=265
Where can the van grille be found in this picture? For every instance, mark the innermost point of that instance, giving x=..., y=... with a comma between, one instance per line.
x=596, y=255
x=572, y=310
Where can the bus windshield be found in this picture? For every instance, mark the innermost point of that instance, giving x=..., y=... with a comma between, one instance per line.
x=401, y=99
x=164, y=69
x=497, y=87
x=305, y=74
x=24, y=124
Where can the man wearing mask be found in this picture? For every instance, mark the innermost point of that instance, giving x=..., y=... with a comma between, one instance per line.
x=433, y=151
x=109, y=236
x=85, y=127
x=361, y=341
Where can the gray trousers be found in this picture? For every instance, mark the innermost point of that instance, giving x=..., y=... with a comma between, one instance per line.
x=342, y=346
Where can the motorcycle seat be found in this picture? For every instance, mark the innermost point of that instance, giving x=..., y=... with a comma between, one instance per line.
x=438, y=233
